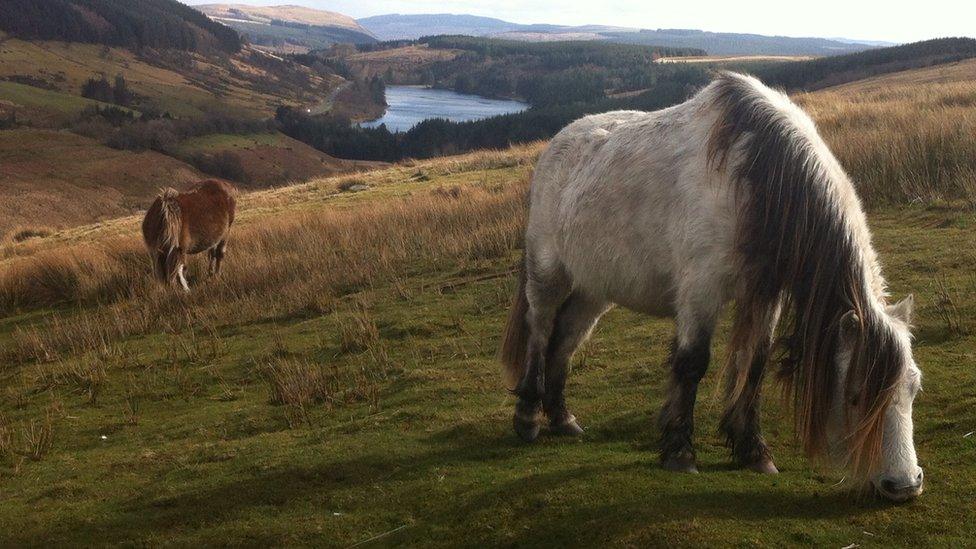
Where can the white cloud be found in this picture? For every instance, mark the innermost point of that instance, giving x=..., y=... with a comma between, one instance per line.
x=867, y=20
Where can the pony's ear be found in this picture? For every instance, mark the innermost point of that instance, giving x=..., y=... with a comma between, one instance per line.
x=850, y=326
x=903, y=310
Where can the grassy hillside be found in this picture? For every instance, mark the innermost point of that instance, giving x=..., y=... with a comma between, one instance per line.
x=184, y=84
x=289, y=29
x=273, y=158
x=907, y=137
x=40, y=107
x=338, y=382
x=831, y=71
x=158, y=24
x=57, y=179
x=40, y=91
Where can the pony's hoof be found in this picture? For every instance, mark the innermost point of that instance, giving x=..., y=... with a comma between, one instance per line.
x=568, y=428
x=680, y=464
x=526, y=430
x=764, y=466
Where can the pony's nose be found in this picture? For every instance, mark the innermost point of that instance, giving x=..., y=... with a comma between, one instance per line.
x=902, y=488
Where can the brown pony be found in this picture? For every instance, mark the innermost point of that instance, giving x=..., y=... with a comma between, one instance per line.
x=183, y=223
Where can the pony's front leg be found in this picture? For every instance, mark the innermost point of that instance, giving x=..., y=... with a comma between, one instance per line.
x=545, y=290
x=574, y=322
x=740, y=422
x=181, y=276
x=752, y=342
x=689, y=361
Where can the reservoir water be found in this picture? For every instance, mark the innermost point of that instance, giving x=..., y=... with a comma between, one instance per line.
x=409, y=105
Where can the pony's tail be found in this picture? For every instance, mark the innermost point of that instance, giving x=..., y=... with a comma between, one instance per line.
x=163, y=233
x=515, y=340
x=169, y=209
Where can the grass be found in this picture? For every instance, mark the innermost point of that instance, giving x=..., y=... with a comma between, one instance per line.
x=219, y=142
x=905, y=138
x=53, y=105
x=200, y=86
x=338, y=384
x=271, y=159
x=67, y=180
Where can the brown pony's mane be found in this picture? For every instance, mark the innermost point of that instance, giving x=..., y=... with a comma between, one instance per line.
x=795, y=242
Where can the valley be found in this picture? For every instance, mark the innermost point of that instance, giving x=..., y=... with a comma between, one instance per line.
x=392, y=300
x=338, y=383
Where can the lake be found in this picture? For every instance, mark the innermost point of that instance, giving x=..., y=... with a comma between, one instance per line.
x=409, y=105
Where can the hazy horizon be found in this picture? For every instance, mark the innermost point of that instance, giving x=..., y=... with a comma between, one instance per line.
x=831, y=19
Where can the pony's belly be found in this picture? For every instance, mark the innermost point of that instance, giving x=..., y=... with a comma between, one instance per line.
x=650, y=294
x=656, y=300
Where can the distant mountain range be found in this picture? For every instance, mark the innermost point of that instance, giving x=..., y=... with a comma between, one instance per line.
x=289, y=28
x=398, y=27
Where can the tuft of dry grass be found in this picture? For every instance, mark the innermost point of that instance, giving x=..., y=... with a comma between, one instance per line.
x=38, y=437
x=358, y=333
x=20, y=234
x=299, y=385
x=946, y=299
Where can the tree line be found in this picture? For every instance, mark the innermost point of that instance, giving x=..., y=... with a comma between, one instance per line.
x=540, y=73
x=831, y=71
x=100, y=89
x=436, y=137
x=157, y=24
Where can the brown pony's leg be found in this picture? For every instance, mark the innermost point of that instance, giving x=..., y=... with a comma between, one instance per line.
x=175, y=267
x=689, y=361
x=159, y=266
x=217, y=256
x=753, y=341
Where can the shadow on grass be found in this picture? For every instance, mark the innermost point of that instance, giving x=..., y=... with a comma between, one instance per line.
x=470, y=453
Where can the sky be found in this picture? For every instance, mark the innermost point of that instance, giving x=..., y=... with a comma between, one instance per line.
x=894, y=20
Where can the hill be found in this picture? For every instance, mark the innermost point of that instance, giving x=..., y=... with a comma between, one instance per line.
x=289, y=29
x=338, y=383
x=821, y=73
x=159, y=24
x=52, y=180
x=249, y=83
x=411, y=27
x=162, y=113
x=726, y=43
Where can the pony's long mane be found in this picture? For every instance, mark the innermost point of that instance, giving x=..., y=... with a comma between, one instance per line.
x=796, y=241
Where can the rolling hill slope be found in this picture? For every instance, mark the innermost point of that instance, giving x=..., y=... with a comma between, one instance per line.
x=339, y=384
x=411, y=27
x=289, y=28
x=52, y=180
x=159, y=24
x=195, y=105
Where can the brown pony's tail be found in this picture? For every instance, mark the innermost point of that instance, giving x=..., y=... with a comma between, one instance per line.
x=161, y=230
x=515, y=340
x=170, y=211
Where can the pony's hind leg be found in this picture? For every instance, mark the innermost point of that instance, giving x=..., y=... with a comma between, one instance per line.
x=753, y=341
x=546, y=289
x=217, y=257
x=574, y=322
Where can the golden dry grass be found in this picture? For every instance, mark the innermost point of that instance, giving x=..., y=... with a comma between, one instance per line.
x=904, y=138
x=300, y=249
x=286, y=265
